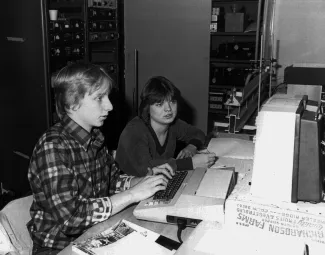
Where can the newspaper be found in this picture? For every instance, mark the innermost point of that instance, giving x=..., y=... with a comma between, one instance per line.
x=123, y=238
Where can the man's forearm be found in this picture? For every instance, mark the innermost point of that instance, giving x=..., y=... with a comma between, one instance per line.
x=121, y=200
x=135, y=181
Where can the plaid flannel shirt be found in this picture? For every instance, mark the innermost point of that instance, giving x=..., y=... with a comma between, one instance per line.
x=71, y=175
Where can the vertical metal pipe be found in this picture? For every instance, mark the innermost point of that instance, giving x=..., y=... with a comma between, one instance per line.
x=260, y=77
x=270, y=33
x=258, y=28
x=136, y=84
x=274, y=46
x=46, y=61
x=86, y=35
x=271, y=71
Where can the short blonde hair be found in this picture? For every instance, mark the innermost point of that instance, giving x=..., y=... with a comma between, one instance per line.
x=73, y=81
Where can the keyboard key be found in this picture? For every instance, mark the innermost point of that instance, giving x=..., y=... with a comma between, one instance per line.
x=172, y=187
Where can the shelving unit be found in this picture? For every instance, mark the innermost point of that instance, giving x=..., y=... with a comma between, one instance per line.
x=105, y=48
x=234, y=54
x=67, y=34
x=103, y=38
x=67, y=39
x=89, y=31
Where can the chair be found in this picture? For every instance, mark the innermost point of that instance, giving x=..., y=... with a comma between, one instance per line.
x=14, y=217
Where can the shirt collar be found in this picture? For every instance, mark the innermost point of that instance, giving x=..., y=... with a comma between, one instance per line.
x=81, y=135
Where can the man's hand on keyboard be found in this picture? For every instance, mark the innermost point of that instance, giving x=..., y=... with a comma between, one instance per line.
x=164, y=169
x=148, y=186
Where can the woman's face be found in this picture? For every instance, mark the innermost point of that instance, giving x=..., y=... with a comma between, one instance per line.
x=163, y=113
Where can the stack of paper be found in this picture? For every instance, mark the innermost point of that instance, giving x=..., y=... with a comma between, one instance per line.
x=232, y=148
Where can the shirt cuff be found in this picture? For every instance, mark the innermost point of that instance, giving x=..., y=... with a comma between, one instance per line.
x=126, y=183
x=184, y=164
x=102, y=209
x=172, y=162
x=197, y=143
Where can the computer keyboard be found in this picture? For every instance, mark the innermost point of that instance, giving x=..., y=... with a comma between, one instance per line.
x=172, y=187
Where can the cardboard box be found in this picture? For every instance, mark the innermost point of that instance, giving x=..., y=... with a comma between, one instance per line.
x=301, y=221
x=234, y=22
x=214, y=238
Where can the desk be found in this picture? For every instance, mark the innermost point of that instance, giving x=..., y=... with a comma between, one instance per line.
x=167, y=230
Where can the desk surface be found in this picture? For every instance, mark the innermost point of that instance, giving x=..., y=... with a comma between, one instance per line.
x=167, y=230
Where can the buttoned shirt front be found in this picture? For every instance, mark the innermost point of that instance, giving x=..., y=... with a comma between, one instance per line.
x=72, y=176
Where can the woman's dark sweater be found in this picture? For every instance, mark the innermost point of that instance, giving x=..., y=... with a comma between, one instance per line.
x=139, y=147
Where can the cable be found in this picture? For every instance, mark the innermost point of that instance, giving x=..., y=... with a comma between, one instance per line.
x=181, y=224
x=275, y=88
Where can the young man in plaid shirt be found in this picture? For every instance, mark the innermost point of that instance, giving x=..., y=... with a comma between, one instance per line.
x=74, y=180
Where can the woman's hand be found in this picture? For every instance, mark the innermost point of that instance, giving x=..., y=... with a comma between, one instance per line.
x=205, y=160
x=148, y=186
x=164, y=169
x=189, y=151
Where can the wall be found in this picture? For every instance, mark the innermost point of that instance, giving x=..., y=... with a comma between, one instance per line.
x=172, y=39
x=299, y=27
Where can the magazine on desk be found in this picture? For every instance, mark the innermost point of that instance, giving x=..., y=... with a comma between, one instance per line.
x=125, y=238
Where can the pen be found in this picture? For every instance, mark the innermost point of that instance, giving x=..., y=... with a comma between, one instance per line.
x=205, y=151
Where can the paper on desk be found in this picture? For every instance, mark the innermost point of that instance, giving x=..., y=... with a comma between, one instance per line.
x=232, y=148
x=241, y=165
x=135, y=243
x=208, y=242
x=123, y=238
x=150, y=235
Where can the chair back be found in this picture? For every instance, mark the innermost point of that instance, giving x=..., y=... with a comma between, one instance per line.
x=14, y=217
